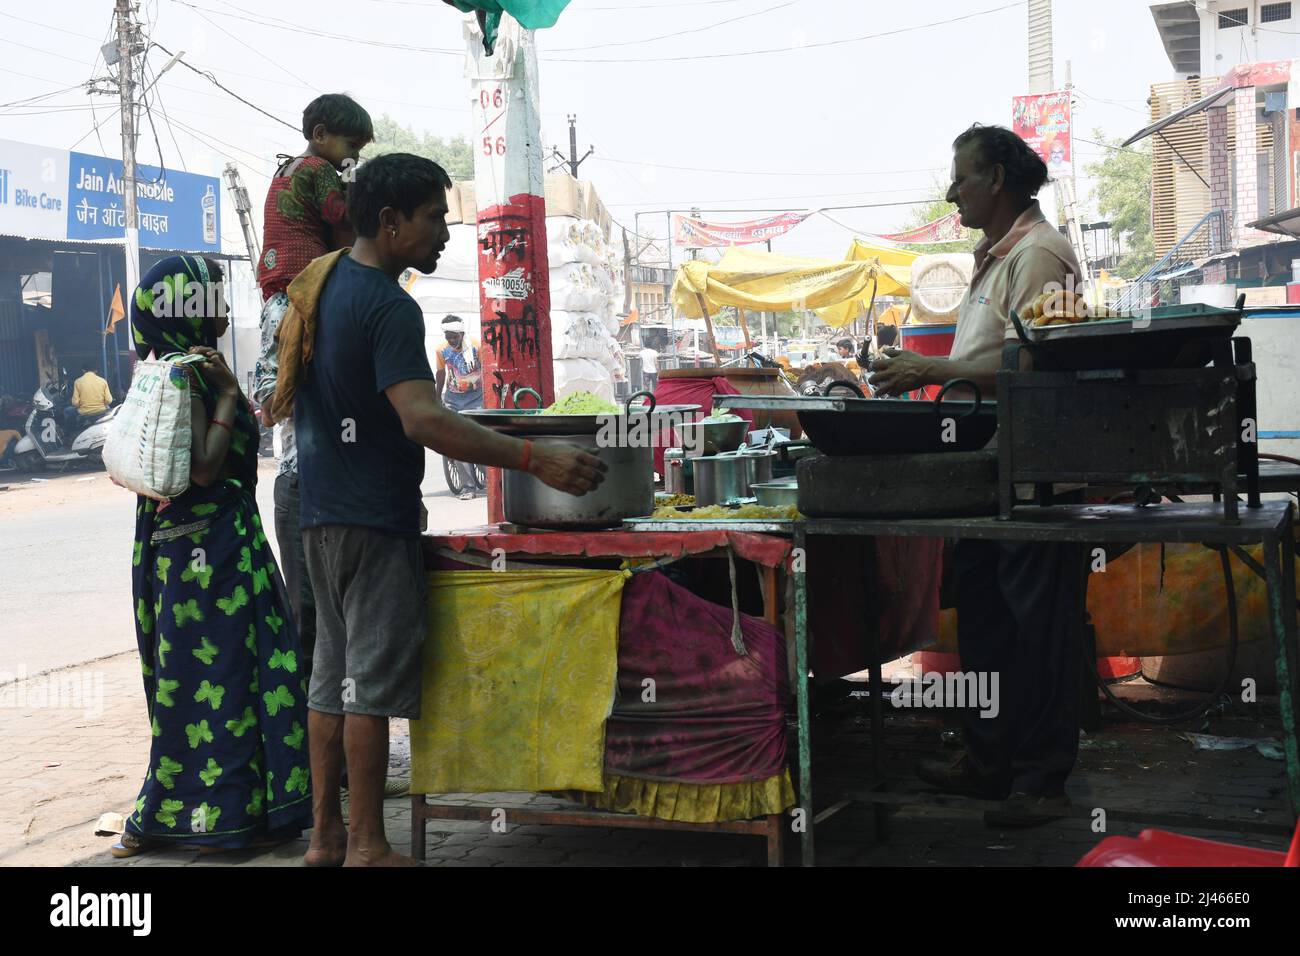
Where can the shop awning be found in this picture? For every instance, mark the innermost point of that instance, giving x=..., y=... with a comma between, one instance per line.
x=1177, y=116
x=893, y=277
x=1204, y=103
x=1285, y=223
x=768, y=282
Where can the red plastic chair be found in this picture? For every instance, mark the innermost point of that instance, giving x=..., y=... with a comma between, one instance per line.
x=1159, y=848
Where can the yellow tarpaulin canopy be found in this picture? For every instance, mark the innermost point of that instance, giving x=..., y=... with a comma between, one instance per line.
x=894, y=277
x=768, y=282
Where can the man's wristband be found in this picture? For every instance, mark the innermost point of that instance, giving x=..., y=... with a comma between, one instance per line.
x=527, y=458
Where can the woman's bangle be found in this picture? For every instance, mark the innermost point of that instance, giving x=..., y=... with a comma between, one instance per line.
x=528, y=455
x=218, y=421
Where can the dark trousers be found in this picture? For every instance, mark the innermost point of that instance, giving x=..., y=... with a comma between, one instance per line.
x=1020, y=614
x=293, y=563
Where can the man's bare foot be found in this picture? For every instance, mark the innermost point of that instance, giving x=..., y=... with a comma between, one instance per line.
x=375, y=855
x=327, y=848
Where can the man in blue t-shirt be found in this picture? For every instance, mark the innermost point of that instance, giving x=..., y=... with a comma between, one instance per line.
x=364, y=412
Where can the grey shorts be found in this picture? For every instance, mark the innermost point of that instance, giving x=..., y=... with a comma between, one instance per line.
x=370, y=621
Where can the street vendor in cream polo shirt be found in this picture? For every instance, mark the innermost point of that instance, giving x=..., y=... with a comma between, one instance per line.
x=995, y=176
x=1020, y=605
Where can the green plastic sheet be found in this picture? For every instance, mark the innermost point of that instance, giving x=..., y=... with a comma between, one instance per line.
x=531, y=14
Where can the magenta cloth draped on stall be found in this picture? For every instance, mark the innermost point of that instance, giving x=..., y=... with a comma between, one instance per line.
x=716, y=716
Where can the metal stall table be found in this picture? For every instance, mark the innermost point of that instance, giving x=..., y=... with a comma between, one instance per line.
x=1270, y=525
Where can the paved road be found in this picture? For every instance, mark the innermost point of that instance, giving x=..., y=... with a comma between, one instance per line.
x=65, y=573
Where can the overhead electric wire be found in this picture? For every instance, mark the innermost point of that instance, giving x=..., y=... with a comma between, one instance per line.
x=47, y=26
x=94, y=67
x=40, y=96
x=205, y=137
x=30, y=76
x=244, y=43
x=299, y=29
x=788, y=48
x=170, y=131
x=647, y=6
x=756, y=172
x=684, y=206
x=34, y=49
x=681, y=33
x=148, y=112
x=207, y=75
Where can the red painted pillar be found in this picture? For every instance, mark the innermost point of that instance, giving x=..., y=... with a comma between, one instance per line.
x=509, y=187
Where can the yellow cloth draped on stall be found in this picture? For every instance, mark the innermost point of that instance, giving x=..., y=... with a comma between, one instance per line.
x=894, y=277
x=519, y=677
x=767, y=282
x=685, y=802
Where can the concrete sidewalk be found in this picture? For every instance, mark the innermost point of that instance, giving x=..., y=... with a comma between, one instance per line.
x=61, y=767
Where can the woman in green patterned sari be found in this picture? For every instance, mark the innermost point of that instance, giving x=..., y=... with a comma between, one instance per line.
x=228, y=765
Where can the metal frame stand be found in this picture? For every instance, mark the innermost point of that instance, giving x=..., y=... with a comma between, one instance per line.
x=1270, y=525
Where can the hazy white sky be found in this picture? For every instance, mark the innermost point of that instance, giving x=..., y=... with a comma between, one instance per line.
x=867, y=121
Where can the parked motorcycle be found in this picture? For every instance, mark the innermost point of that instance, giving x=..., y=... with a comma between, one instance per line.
x=47, y=443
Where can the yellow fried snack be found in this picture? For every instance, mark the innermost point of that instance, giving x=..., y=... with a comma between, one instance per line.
x=664, y=501
x=743, y=513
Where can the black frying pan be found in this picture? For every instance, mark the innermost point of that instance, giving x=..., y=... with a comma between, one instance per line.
x=896, y=426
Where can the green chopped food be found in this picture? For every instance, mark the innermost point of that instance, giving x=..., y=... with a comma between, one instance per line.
x=720, y=419
x=582, y=403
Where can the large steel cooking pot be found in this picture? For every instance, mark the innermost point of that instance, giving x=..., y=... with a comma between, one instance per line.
x=720, y=478
x=628, y=490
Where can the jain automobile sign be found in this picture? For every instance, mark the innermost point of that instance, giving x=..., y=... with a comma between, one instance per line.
x=54, y=194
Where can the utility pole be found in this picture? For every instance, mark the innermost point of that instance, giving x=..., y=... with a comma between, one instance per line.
x=1067, y=190
x=574, y=162
x=126, y=44
x=235, y=185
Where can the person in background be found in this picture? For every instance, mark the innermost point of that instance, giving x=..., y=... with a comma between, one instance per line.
x=8, y=440
x=305, y=216
x=845, y=349
x=90, y=399
x=649, y=367
x=361, y=486
x=1020, y=605
x=459, y=381
x=224, y=688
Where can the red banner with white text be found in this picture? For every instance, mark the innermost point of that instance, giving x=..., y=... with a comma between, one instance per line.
x=697, y=234
x=944, y=229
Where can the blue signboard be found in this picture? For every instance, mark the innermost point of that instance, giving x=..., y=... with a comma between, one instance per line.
x=176, y=210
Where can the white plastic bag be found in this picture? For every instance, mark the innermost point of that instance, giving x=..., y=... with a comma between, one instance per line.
x=582, y=375
x=576, y=335
x=148, y=445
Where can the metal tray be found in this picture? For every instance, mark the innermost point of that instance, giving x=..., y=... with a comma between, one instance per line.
x=884, y=426
x=522, y=422
x=1172, y=336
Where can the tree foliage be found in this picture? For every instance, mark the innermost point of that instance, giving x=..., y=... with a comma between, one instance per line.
x=937, y=208
x=452, y=153
x=1122, y=193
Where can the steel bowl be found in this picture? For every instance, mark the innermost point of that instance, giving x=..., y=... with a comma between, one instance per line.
x=712, y=438
x=779, y=493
